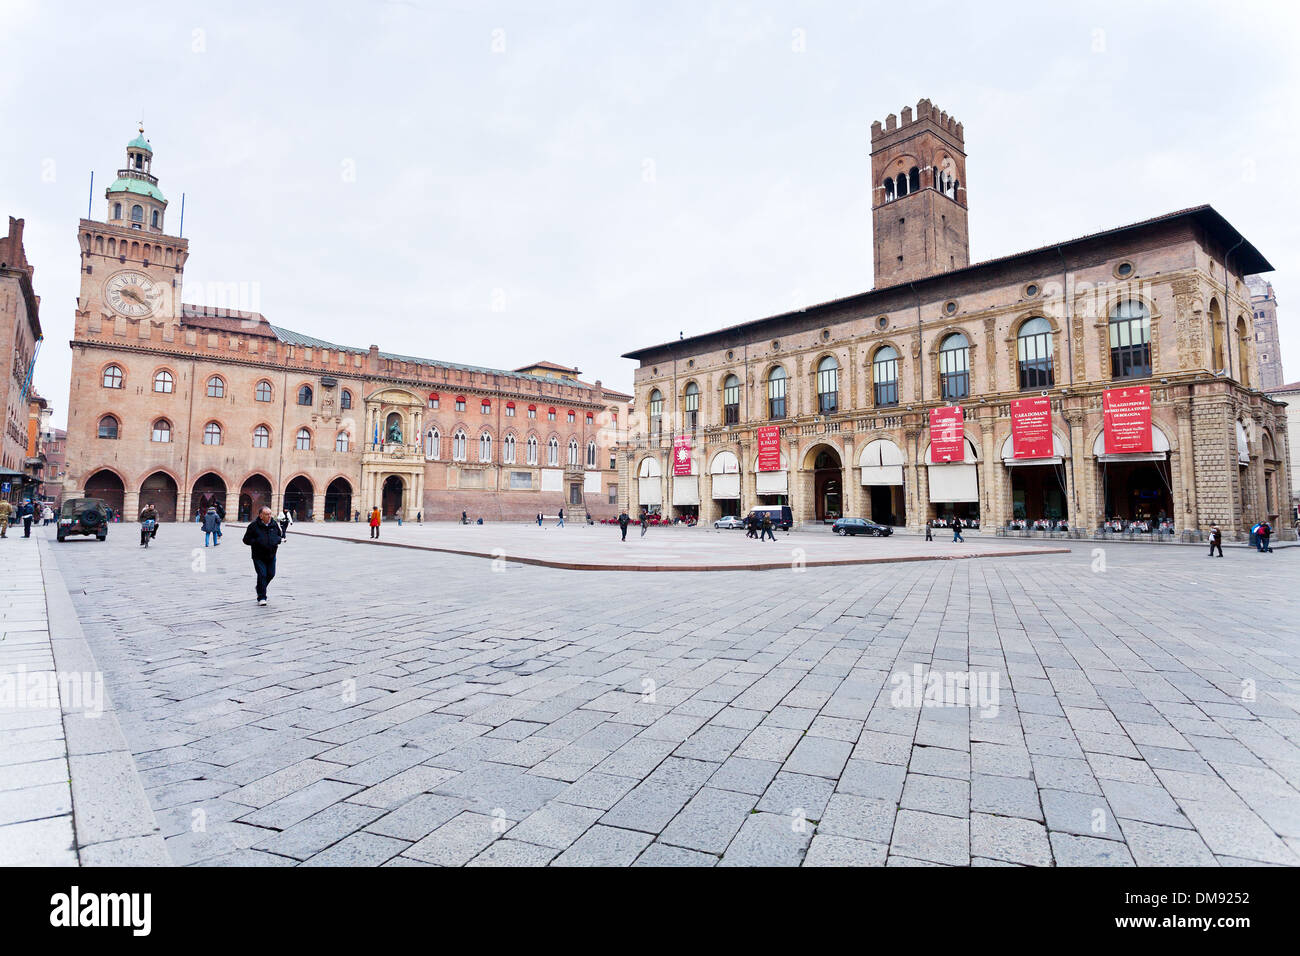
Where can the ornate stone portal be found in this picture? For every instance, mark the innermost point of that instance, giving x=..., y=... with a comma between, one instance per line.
x=392, y=469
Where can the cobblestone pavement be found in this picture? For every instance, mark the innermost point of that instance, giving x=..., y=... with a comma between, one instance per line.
x=402, y=707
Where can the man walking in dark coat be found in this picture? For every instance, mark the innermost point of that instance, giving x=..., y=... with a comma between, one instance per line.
x=264, y=537
x=1216, y=541
x=623, y=521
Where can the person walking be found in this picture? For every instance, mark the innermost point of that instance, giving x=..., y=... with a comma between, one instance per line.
x=1265, y=529
x=212, y=528
x=419, y=517
x=374, y=521
x=929, y=530
x=47, y=515
x=1216, y=541
x=956, y=531
x=6, y=513
x=263, y=536
x=560, y=523
x=149, y=513
x=623, y=521
x=286, y=519
x=645, y=522
x=767, y=529
x=27, y=511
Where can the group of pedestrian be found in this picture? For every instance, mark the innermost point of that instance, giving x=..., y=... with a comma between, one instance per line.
x=759, y=526
x=955, y=525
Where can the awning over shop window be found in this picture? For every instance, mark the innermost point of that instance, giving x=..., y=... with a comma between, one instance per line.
x=881, y=463
x=953, y=483
x=1060, y=451
x=649, y=491
x=726, y=486
x=1159, y=448
x=686, y=490
x=772, y=483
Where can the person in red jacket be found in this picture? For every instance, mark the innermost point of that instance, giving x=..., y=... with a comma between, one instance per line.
x=374, y=522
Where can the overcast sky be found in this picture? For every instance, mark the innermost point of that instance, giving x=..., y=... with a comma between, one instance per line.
x=501, y=183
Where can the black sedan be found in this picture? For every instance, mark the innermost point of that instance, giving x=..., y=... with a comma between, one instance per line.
x=845, y=526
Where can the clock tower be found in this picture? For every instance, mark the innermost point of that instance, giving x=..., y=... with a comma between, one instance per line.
x=131, y=269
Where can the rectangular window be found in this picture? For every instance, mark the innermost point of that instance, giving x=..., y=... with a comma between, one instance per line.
x=613, y=494
x=521, y=480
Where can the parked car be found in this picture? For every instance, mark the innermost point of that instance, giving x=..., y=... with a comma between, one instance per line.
x=844, y=526
x=729, y=521
x=84, y=516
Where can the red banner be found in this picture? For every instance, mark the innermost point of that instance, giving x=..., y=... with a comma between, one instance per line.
x=947, y=435
x=682, y=455
x=1031, y=428
x=1127, y=416
x=769, y=448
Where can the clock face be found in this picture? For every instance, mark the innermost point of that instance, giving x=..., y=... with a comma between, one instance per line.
x=132, y=293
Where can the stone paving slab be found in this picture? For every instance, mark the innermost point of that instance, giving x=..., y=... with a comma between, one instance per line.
x=402, y=706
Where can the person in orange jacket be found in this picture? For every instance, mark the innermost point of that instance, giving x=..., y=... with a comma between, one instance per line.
x=374, y=522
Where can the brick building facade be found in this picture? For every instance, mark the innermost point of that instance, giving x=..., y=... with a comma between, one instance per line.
x=849, y=384
x=20, y=335
x=186, y=406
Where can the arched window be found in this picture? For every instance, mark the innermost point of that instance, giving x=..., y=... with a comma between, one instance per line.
x=508, y=450
x=302, y=441
x=901, y=184
x=112, y=377
x=137, y=213
x=1243, y=352
x=590, y=418
x=432, y=444
x=532, y=411
x=212, y=434
x=656, y=413
x=216, y=387
x=884, y=376
x=342, y=441
x=731, y=401
x=155, y=218
x=117, y=210
x=304, y=395
x=345, y=399
x=913, y=179
x=108, y=427
x=692, y=405
x=889, y=189
x=828, y=385
x=510, y=409
x=486, y=406
x=262, y=392
x=261, y=437
x=571, y=417
x=776, y=381
x=954, y=367
x=459, y=404
x=573, y=452
x=1130, y=340
x=591, y=454
x=1034, y=352
x=532, y=450
x=162, y=430
x=553, y=451
x=485, y=447
x=434, y=399
x=164, y=381
x=1217, y=363
x=459, y=446
x=550, y=414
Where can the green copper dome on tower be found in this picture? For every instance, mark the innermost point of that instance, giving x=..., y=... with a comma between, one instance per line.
x=140, y=143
